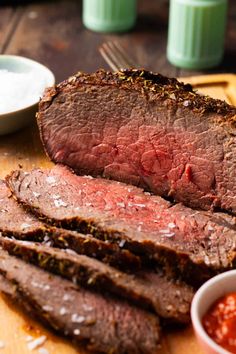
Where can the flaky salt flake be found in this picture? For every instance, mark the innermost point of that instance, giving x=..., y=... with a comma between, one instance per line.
x=210, y=228
x=76, y=332
x=137, y=205
x=186, y=103
x=2, y=344
x=88, y=177
x=43, y=351
x=36, y=194
x=24, y=225
x=63, y=311
x=207, y=260
x=59, y=203
x=36, y=342
x=40, y=285
x=50, y=180
x=77, y=318
x=46, y=238
x=140, y=205
x=171, y=234
x=47, y=308
x=74, y=279
x=35, y=284
x=87, y=307
x=171, y=225
x=122, y=243
x=120, y=204
x=165, y=231
x=70, y=251
x=56, y=196
x=107, y=207
x=24, y=242
x=67, y=297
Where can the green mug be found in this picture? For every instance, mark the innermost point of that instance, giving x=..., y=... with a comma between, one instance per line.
x=109, y=15
x=196, y=33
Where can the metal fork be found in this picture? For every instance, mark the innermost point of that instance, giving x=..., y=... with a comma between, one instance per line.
x=116, y=57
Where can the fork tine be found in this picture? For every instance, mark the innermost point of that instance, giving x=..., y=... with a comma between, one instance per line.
x=115, y=56
x=108, y=59
x=126, y=58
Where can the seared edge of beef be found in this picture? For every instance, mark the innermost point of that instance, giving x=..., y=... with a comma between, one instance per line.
x=148, y=83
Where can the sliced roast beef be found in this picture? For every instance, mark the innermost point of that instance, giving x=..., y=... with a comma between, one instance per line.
x=195, y=244
x=101, y=323
x=16, y=221
x=86, y=244
x=145, y=129
x=169, y=299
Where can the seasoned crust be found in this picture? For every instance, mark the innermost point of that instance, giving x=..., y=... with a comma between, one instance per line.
x=153, y=86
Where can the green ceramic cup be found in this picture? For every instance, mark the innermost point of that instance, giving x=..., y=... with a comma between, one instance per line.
x=109, y=15
x=196, y=33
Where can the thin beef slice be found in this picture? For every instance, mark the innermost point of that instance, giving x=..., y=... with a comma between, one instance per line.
x=98, y=322
x=168, y=298
x=16, y=221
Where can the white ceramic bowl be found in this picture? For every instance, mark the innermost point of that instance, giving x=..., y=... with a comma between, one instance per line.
x=16, y=119
x=209, y=292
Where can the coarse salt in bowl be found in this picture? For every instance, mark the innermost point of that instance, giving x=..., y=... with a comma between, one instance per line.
x=23, y=82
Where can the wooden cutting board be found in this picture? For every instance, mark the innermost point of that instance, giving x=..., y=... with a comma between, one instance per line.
x=24, y=149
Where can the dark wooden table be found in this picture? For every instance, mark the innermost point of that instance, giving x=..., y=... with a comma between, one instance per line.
x=52, y=33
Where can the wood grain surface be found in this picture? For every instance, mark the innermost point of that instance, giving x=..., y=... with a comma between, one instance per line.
x=24, y=149
x=52, y=33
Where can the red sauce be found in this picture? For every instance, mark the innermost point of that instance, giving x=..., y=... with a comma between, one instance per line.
x=220, y=322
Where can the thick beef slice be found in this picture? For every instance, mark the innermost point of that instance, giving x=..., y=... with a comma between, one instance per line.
x=145, y=129
x=16, y=221
x=196, y=244
x=100, y=323
x=168, y=298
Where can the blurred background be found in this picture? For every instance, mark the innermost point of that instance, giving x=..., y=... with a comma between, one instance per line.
x=52, y=33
